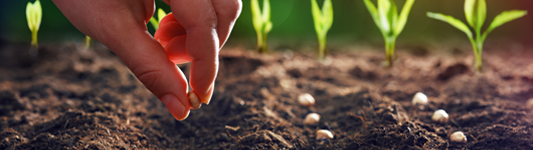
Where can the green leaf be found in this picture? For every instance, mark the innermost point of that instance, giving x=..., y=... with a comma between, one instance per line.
x=34, y=15
x=402, y=20
x=160, y=15
x=256, y=16
x=327, y=14
x=266, y=11
x=393, y=17
x=30, y=16
x=374, y=13
x=503, y=18
x=384, y=8
x=317, y=16
x=475, y=12
x=268, y=27
x=154, y=23
x=452, y=21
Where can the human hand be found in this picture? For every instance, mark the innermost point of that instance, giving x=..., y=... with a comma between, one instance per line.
x=121, y=26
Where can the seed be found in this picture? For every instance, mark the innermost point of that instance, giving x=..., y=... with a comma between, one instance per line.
x=420, y=99
x=323, y=134
x=529, y=103
x=312, y=119
x=458, y=136
x=440, y=116
x=306, y=100
x=194, y=100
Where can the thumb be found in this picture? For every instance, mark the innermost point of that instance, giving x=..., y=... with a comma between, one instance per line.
x=147, y=59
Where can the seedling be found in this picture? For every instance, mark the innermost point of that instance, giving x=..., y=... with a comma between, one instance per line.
x=88, y=42
x=475, y=12
x=160, y=15
x=262, y=24
x=34, y=15
x=322, y=20
x=389, y=23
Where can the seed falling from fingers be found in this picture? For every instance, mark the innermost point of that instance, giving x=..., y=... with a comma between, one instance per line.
x=312, y=119
x=420, y=99
x=458, y=136
x=440, y=116
x=306, y=100
x=323, y=134
x=194, y=100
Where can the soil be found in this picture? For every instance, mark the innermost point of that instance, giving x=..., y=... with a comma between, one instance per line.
x=70, y=98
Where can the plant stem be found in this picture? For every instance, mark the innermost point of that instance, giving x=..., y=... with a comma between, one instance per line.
x=34, y=40
x=259, y=42
x=321, y=48
x=264, y=43
x=87, y=42
x=478, y=56
x=390, y=43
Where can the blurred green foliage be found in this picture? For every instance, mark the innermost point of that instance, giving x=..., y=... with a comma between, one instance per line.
x=292, y=22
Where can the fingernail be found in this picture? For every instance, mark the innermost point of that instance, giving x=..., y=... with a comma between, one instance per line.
x=176, y=108
x=194, y=100
x=207, y=97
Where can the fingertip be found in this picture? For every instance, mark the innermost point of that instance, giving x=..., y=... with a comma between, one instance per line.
x=209, y=95
x=175, y=107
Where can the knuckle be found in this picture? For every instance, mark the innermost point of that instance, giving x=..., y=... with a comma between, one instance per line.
x=233, y=9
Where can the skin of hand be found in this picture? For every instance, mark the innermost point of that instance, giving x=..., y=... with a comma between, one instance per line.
x=203, y=27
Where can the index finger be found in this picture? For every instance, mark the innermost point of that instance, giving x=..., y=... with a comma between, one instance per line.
x=202, y=43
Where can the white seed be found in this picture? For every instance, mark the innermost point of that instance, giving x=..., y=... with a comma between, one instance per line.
x=323, y=134
x=312, y=119
x=194, y=100
x=420, y=99
x=458, y=136
x=306, y=100
x=440, y=116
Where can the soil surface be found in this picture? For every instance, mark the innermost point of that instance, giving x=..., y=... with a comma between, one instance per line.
x=69, y=98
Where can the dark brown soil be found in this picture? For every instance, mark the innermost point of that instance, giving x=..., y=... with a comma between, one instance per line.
x=67, y=98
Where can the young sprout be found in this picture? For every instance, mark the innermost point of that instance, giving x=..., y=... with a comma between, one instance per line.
x=323, y=134
x=312, y=119
x=306, y=100
x=389, y=23
x=440, y=116
x=420, y=99
x=160, y=15
x=475, y=12
x=262, y=24
x=458, y=136
x=34, y=15
x=322, y=20
x=88, y=42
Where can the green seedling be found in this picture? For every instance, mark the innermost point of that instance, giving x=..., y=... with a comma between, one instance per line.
x=160, y=14
x=34, y=15
x=475, y=12
x=262, y=24
x=389, y=23
x=322, y=20
x=88, y=42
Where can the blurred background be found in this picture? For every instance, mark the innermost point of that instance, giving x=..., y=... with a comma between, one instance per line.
x=293, y=25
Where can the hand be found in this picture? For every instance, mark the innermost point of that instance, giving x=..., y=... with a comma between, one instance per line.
x=121, y=26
